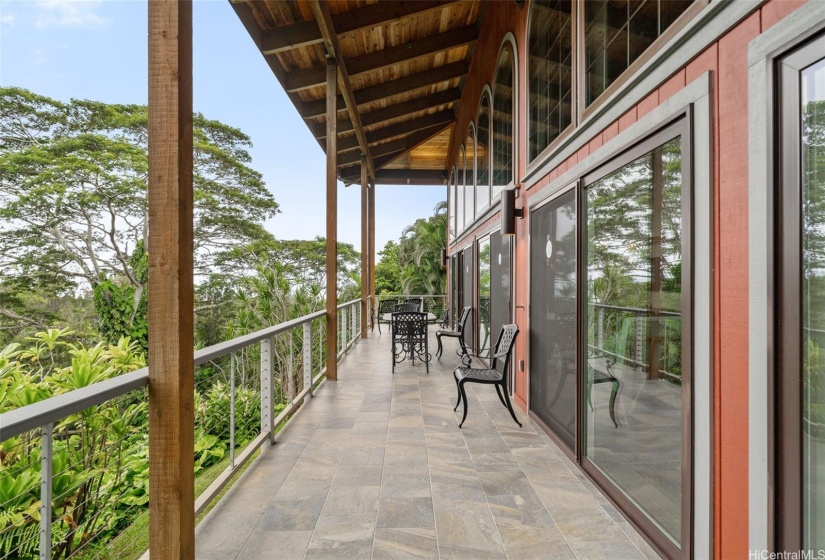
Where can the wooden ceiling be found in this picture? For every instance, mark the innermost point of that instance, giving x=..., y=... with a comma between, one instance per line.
x=401, y=67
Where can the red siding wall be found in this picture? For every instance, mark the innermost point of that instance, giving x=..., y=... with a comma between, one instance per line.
x=727, y=59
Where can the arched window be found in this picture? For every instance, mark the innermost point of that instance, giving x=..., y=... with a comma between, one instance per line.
x=451, y=196
x=467, y=195
x=483, y=153
x=503, y=122
x=470, y=173
x=550, y=72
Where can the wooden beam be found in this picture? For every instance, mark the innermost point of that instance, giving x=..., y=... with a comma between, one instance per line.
x=298, y=80
x=371, y=227
x=412, y=125
x=411, y=107
x=171, y=287
x=392, y=88
x=332, y=224
x=365, y=273
x=324, y=19
x=395, y=146
x=306, y=33
x=403, y=176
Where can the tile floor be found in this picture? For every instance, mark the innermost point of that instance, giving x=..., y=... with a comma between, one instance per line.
x=375, y=467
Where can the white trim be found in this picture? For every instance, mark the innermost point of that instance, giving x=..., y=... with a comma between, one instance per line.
x=698, y=95
x=791, y=31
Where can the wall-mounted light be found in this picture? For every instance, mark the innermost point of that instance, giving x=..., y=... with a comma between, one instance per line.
x=443, y=257
x=509, y=212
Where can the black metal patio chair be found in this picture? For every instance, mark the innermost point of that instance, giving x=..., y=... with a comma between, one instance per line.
x=409, y=338
x=457, y=333
x=385, y=309
x=496, y=374
x=407, y=306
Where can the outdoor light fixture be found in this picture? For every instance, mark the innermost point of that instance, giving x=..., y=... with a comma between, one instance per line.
x=509, y=212
x=443, y=257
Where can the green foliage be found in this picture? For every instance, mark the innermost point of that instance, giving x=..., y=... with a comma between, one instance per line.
x=388, y=271
x=419, y=254
x=117, y=314
x=212, y=415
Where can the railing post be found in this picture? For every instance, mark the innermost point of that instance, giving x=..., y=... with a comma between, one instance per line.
x=344, y=329
x=46, y=493
x=308, y=356
x=600, y=329
x=267, y=386
x=291, y=382
x=355, y=333
x=640, y=337
x=232, y=411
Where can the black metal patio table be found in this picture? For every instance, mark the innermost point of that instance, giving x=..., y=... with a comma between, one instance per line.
x=409, y=338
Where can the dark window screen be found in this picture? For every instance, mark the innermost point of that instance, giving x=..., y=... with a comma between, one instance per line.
x=468, y=296
x=553, y=316
x=499, y=284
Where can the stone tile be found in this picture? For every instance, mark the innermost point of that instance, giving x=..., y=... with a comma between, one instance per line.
x=225, y=533
x=294, y=488
x=457, y=489
x=265, y=545
x=246, y=501
x=264, y=478
x=535, y=542
x=392, y=544
x=519, y=510
x=291, y=515
x=215, y=554
x=504, y=482
x=586, y=524
x=606, y=551
x=565, y=495
x=363, y=456
x=406, y=485
x=449, y=552
x=352, y=499
x=342, y=535
x=467, y=525
x=348, y=552
x=394, y=512
x=370, y=428
x=358, y=475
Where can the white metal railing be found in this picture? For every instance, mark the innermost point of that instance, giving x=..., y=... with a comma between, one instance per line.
x=285, y=349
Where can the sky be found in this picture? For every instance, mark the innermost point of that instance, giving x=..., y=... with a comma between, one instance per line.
x=97, y=49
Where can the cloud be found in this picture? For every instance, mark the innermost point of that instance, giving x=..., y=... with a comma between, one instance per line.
x=7, y=19
x=68, y=13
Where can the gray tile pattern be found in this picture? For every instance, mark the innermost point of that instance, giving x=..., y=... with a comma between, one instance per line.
x=375, y=467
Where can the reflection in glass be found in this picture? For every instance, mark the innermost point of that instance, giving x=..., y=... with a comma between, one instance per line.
x=469, y=174
x=483, y=155
x=553, y=316
x=484, y=296
x=617, y=32
x=633, y=291
x=455, y=289
x=451, y=213
x=459, y=199
x=503, y=95
x=813, y=305
x=551, y=72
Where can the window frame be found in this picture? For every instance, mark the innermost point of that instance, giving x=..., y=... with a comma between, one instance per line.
x=507, y=44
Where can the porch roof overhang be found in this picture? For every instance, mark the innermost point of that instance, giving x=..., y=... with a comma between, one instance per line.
x=401, y=64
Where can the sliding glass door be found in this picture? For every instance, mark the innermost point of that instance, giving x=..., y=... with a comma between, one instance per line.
x=800, y=376
x=636, y=329
x=483, y=304
x=468, y=293
x=553, y=316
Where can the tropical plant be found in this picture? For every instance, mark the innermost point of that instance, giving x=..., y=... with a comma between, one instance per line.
x=419, y=254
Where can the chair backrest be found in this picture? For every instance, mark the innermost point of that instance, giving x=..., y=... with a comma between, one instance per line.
x=463, y=318
x=386, y=305
x=406, y=323
x=407, y=306
x=418, y=302
x=504, y=348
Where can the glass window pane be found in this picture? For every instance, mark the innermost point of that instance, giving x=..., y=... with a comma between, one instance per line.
x=469, y=179
x=503, y=90
x=617, y=32
x=484, y=296
x=550, y=72
x=483, y=154
x=813, y=305
x=451, y=216
x=459, y=205
x=634, y=332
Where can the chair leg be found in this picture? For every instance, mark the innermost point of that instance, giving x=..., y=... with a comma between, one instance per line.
x=438, y=352
x=498, y=391
x=458, y=390
x=464, y=398
x=613, y=394
x=510, y=408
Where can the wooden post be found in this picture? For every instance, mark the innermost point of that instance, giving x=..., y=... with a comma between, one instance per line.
x=332, y=221
x=371, y=235
x=171, y=311
x=365, y=247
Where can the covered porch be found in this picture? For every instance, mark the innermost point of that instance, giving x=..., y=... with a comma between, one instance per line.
x=375, y=466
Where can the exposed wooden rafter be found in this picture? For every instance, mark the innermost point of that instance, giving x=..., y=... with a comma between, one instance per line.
x=413, y=125
x=392, y=88
x=397, y=148
x=322, y=16
x=306, y=33
x=312, y=77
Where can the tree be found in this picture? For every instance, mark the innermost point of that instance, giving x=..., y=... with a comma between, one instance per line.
x=388, y=271
x=419, y=254
x=73, y=198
